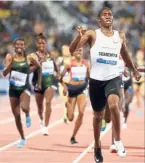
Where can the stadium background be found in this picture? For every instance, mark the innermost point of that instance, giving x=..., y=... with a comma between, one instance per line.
x=59, y=20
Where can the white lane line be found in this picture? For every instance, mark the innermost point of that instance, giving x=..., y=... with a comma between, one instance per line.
x=140, y=151
x=31, y=135
x=91, y=145
x=83, y=162
x=32, y=113
x=11, y=119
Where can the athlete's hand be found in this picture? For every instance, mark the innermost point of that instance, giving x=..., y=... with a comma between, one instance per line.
x=64, y=91
x=137, y=75
x=81, y=30
x=126, y=74
x=38, y=87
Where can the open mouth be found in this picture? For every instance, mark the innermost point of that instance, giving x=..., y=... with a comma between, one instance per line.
x=18, y=50
x=108, y=21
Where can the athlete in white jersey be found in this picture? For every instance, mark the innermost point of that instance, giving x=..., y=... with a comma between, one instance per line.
x=76, y=89
x=106, y=45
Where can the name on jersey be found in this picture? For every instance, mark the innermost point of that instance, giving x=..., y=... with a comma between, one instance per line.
x=102, y=59
x=18, y=78
x=107, y=54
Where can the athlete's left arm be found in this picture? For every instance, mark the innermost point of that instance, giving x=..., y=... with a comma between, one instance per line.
x=33, y=61
x=55, y=66
x=33, y=67
x=127, y=59
x=88, y=70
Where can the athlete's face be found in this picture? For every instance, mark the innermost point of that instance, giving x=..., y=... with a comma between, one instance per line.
x=41, y=44
x=106, y=18
x=19, y=46
x=78, y=53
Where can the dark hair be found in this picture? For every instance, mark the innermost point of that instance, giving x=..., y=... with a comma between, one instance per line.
x=40, y=36
x=19, y=39
x=100, y=12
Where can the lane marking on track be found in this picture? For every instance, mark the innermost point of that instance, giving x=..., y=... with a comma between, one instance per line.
x=31, y=135
x=91, y=145
x=34, y=133
x=32, y=113
x=139, y=151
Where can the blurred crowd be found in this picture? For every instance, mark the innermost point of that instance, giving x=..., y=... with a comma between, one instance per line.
x=129, y=17
x=28, y=18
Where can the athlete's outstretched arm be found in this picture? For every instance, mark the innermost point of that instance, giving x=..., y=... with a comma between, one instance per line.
x=73, y=46
x=84, y=39
x=74, y=43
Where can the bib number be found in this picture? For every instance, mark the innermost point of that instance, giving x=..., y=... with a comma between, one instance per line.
x=47, y=68
x=18, y=79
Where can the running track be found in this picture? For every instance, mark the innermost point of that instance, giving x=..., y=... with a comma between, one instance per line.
x=56, y=147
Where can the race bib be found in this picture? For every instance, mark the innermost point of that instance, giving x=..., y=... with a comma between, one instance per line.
x=18, y=78
x=79, y=73
x=47, y=68
x=106, y=61
x=107, y=58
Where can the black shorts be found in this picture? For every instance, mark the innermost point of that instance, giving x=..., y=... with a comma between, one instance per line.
x=39, y=91
x=17, y=93
x=100, y=90
x=75, y=90
x=122, y=84
x=42, y=91
x=127, y=84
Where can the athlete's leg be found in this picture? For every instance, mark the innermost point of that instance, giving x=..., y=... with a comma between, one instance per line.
x=25, y=105
x=81, y=101
x=70, y=105
x=49, y=93
x=39, y=97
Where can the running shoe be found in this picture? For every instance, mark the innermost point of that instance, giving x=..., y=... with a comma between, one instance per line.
x=73, y=140
x=28, y=121
x=120, y=148
x=21, y=143
x=103, y=125
x=98, y=155
x=45, y=131
x=113, y=148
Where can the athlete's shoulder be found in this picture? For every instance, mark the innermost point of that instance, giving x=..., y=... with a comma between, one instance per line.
x=90, y=32
x=121, y=34
x=32, y=55
x=84, y=61
x=73, y=62
x=9, y=56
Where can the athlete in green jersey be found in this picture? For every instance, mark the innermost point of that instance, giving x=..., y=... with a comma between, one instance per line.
x=18, y=66
x=47, y=84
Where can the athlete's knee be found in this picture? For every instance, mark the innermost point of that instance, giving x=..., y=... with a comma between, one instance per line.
x=98, y=117
x=113, y=106
x=48, y=102
x=107, y=119
x=24, y=106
